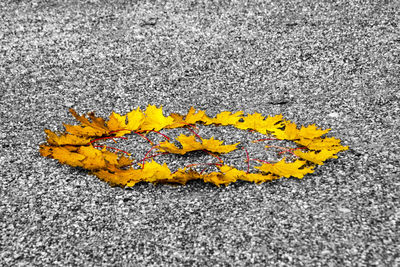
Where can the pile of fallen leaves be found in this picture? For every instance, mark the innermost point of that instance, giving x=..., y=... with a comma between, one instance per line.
x=78, y=147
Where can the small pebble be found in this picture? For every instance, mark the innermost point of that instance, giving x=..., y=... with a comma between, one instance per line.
x=333, y=115
x=344, y=210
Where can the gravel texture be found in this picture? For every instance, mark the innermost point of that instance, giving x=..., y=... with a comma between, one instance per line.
x=332, y=63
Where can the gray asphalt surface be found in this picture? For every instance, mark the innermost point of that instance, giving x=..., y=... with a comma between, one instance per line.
x=333, y=64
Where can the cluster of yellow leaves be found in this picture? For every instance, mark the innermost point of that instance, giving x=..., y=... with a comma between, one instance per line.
x=189, y=143
x=86, y=157
x=74, y=147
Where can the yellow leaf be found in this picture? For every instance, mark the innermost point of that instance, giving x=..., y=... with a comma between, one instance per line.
x=122, y=178
x=290, y=132
x=82, y=119
x=97, y=123
x=282, y=168
x=189, y=143
x=153, y=171
x=94, y=159
x=45, y=150
x=155, y=119
x=116, y=122
x=213, y=145
x=178, y=121
x=123, y=162
x=262, y=125
x=65, y=139
x=316, y=157
x=63, y=155
x=192, y=117
x=234, y=174
x=170, y=148
x=182, y=176
x=84, y=131
x=252, y=121
x=135, y=119
x=110, y=157
x=215, y=178
x=273, y=123
x=226, y=118
x=327, y=143
x=312, y=132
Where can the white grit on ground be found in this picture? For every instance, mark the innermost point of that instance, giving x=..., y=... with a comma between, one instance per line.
x=332, y=63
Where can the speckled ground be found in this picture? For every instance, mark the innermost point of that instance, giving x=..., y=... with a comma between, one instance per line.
x=334, y=64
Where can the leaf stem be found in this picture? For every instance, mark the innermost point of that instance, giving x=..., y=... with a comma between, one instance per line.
x=290, y=150
x=247, y=159
x=145, y=156
x=198, y=136
x=212, y=154
x=151, y=143
x=166, y=137
x=191, y=125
